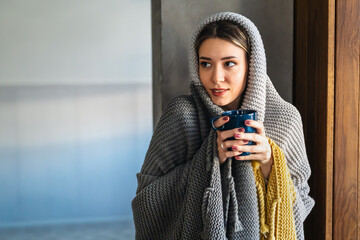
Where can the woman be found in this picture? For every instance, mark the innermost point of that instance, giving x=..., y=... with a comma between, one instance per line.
x=190, y=187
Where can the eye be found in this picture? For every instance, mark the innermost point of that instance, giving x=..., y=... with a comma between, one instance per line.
x=230, y=64
x=205, y=64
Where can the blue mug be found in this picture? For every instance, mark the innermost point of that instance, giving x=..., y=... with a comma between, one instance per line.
x=237, y=120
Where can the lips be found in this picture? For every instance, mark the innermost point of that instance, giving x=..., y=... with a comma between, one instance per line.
x=218, y=91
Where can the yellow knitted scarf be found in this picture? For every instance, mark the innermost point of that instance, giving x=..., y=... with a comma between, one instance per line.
x=276, y=200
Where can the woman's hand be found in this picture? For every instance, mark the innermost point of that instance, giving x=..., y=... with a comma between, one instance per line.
x=260, y=152
x=224, y=144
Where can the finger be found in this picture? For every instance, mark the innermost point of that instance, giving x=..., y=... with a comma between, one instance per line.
x=227, y=144
x=250, y=137
x=253, y=157
x=230, y=143
x=232, y=153
x=221, y=121
x=249, y=148
x=223, y=135
x=259, y=126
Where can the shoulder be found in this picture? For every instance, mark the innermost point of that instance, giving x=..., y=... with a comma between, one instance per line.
x=181, y=103
x=283, y=122
x=181, y=107
x=180, y=111
x=288, y=112
x=277, y=109
x=283, y=111
x=174, y=137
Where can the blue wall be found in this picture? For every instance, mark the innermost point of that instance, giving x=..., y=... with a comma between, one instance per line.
x=75, y=109
x=71, y=153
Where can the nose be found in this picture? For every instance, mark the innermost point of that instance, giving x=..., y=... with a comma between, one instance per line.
x=218, y=74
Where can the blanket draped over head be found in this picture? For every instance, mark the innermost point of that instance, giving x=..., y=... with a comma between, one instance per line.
x=183, y=192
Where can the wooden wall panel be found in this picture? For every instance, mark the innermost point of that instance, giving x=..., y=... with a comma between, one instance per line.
x=327, y=94
x=346, y=152
x=314, y=93
x=330, y=121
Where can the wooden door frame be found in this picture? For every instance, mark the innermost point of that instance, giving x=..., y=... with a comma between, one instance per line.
x=346, y=128
x=326, y=92
x=313, y=96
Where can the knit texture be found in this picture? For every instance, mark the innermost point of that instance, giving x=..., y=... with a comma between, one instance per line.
x=184, y=193
x=276, y=200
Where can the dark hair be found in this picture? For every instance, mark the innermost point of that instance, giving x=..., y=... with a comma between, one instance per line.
x=226, y=30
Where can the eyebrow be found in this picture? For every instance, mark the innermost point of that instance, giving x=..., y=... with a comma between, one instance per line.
x=224, y=58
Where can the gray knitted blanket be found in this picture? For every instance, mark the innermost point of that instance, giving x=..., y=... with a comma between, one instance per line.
x=183, y=192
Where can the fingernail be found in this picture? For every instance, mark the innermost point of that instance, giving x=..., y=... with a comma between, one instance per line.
x=226, y=118
x=246, y=141
x=237, y=135
x=234, y=147
x=241, y=129
x=247, y=121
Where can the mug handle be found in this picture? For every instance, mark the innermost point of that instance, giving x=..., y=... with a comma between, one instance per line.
x=212, y=123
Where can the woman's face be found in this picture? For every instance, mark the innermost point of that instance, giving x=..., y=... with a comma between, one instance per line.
x=223, y=71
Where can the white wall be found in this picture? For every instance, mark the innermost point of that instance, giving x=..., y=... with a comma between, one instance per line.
x=75, y=108
x=75, y=41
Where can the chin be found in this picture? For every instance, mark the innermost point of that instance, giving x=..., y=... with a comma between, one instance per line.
x=220, y=103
